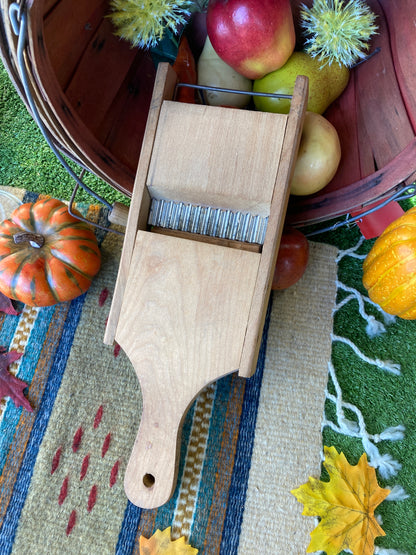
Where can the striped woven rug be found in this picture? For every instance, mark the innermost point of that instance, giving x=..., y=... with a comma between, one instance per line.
x=245, y=443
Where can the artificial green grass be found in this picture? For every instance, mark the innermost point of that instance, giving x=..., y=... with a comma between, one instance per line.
x=384, y=399
x=27, y=161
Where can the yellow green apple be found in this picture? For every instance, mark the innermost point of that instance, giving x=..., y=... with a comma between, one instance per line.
x=318, y=157
x=325, y=84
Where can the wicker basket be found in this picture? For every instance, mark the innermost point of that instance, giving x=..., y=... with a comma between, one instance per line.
x=92, y=92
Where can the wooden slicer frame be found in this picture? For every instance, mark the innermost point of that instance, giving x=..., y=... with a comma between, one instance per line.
x=188, y=309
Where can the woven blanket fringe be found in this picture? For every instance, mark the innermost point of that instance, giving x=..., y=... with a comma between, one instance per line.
x=384, y=463
x=387, y=365
x=374, y=327
x=397, y=493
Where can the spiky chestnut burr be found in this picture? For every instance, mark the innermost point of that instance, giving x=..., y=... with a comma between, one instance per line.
x=338, y=30
x=143, y=23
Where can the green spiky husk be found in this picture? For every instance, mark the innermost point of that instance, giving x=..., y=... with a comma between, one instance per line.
x=338, y=30
x=143, y=23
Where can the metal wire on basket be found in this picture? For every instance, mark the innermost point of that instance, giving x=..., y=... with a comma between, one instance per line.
x=350, y=220
x=18, y=19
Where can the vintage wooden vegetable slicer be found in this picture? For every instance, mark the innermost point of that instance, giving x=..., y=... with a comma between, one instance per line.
x=190, y=302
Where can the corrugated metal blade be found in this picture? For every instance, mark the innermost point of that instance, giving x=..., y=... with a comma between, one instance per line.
x=205, y=220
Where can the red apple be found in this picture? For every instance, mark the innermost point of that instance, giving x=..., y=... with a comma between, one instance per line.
x=254, y=37
x=292, y=258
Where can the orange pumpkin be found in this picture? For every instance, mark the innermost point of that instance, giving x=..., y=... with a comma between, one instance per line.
x=389, y=270
x=46, y=255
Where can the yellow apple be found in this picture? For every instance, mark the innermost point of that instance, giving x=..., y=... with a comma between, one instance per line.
x=318, y=157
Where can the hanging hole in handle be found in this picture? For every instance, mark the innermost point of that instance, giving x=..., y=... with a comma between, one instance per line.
x=148, y=480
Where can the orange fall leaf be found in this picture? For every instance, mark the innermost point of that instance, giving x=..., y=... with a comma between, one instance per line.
x=345, y=506
x=161, y=544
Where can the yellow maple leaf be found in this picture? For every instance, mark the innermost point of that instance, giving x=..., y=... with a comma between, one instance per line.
x=345, y=506
x=161, y=544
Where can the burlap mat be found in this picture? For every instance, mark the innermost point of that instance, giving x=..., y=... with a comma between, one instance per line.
x=245, y=445
x=288, y=442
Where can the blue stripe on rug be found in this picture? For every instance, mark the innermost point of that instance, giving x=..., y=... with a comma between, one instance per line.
x=241, y=470
x=7, y=428
x=29, y=196
x=8, y=330
x=9, y=528
x=26, y=370
x=126, y=539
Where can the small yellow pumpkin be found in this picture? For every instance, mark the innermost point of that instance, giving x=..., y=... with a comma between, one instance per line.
x=389, y=270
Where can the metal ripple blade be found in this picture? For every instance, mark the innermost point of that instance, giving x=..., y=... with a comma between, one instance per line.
x=206, y=220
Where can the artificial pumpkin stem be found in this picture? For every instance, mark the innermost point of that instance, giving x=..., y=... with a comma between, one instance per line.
x=35, y=239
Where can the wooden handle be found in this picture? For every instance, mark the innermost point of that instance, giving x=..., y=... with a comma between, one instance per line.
x=151, y=473
x=182, y=325
x=119, y=214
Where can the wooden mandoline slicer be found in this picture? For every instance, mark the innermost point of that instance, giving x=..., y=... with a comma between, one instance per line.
x=193, y=287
